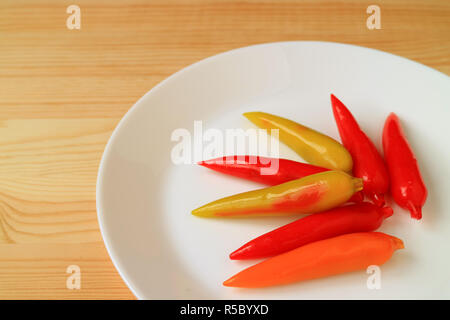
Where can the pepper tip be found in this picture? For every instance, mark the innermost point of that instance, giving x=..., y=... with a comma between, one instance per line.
x=357, y=184
x=416, y=211
x=199, y=212
x=234, y=255
x=392, y=117
x=228, y=282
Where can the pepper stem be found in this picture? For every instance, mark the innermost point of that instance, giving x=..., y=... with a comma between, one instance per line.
x=357, y=184
x=397, y=243
x=387, y=212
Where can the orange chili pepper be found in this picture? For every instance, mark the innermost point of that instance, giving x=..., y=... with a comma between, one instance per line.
x=350, y=252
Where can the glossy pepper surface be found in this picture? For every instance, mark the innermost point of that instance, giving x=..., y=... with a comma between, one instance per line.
x=361, y=217
x=345, y=253
x=407, y=186
x=266, y=170
x=315, y=147
x=314, y=193
x=367, y=161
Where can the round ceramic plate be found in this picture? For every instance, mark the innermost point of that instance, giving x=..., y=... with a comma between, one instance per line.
x=144, y=199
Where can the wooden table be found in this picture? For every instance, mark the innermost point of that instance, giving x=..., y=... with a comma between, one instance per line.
x=63, y=91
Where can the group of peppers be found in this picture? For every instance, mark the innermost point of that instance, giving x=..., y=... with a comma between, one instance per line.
x=339, y=236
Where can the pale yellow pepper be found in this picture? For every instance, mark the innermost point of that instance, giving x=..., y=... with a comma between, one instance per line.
x=315, y=147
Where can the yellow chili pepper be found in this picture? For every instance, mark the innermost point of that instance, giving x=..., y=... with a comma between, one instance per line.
x=313, y=146
x=314, y=193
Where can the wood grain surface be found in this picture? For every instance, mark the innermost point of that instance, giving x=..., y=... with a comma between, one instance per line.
x=63, y=91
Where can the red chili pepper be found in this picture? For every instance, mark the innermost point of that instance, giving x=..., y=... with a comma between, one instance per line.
x=270, y=171
x=367, y=161
x=362, y=217
x=265, y=170
x=407, y=186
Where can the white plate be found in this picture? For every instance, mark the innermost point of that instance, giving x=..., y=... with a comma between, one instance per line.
x=144, y=200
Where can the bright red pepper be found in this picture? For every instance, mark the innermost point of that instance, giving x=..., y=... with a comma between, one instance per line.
x=367, y=161
x=362, y=217
x=252, y=168
x=407, y=186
